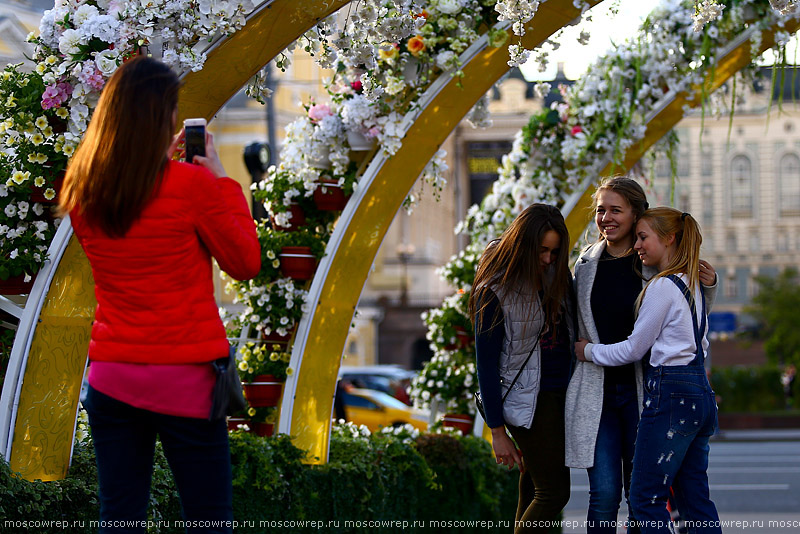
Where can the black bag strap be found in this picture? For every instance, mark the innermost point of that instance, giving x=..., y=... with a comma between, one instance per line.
x=698, y=332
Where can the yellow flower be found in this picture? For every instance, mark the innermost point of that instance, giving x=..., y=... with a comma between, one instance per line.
x=261, y=357
x=24, y=82
x=62, y=113
x=51, y=60
x=37, y=139
x=31, y=158
x=48, y=132
x=243, y=366
x=19, y=177
x=276, y=263
x=38, y=181
x=251, y=411
x=9, y=182
x=58, y=147
x=41, y=68
x=387, y=51
x=9, y=122
x=6, y=76
x=274, y=356
x=49, y=193
x=69, y=149
x=41, y=158
x=289, y=371
x=41, y=122
x=11, y=101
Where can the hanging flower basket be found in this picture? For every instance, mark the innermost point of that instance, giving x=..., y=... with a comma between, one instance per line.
x=297, y=221
x=16, y=285
x=328, y=196
x=235, y=422
x=321, y=160
x=298, y=263
x=275, y=338
x=358, y=141
x=461, y=422
x=262, y=429
x=264, y=391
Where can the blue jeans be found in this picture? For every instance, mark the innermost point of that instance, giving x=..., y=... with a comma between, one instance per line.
x=679, y=416
x=613, y=459
x=124, y=442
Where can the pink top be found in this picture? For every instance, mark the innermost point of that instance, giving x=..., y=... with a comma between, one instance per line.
x=183, y=390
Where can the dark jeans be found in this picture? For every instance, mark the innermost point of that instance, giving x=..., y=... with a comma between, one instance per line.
x=196, y=449
x=613, y=460
x=679, y=416
x=544, y=485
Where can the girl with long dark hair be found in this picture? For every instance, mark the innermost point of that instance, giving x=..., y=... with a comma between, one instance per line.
x=522, y=310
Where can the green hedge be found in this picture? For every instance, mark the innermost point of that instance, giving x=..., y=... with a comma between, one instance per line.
x=751, y=389
x=381, y=477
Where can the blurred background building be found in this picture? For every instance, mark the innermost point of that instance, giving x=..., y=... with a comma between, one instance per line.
x=742, y=182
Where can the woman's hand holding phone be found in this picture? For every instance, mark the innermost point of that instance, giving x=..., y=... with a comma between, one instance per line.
x=210, y=161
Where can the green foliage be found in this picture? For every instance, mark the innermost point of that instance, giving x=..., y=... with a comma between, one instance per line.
x=777, y=310
x=750, y=389
x=367, y=477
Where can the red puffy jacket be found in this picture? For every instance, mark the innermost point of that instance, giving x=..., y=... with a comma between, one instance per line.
x=154, y=288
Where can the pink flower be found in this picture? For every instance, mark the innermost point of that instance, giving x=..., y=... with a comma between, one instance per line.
x=576, y=130
x=356, y=85
x=317, y=112
x=55, y=95
x=373, y=132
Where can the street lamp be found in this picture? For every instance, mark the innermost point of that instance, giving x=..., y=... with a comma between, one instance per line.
x=257, y=157
x=404, y=253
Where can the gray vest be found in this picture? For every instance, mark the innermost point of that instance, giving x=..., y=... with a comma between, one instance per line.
x=522, y=312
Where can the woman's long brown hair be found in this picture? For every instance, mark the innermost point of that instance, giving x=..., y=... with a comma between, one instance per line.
x=512, y=261
x=123, y=154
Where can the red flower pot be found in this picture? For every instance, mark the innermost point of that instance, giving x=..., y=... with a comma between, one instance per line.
x=328, y=196
x=461, y=422
x=16, y=285
x=298, y=263
x=297, y=221
x=262, y=429
x=463, y=339
x=264, y=391
x=274, y=337
x=234, y=422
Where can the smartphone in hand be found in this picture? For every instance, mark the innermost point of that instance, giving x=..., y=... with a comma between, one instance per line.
x=195, y=138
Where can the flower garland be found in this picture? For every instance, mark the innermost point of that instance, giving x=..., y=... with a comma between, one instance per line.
x=601, y=116
x=44, y=112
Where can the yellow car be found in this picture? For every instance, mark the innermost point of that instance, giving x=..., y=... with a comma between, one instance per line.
x=376, y=409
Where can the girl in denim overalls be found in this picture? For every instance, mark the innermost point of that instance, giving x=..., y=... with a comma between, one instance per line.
x=679, y=413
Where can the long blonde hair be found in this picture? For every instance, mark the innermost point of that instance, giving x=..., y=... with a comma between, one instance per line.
x=665, y=222
x=122, y=157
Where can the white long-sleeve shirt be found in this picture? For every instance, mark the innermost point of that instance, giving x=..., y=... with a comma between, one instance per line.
x=664, y=323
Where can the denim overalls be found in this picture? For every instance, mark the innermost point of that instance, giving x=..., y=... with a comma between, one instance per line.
x=678, y=417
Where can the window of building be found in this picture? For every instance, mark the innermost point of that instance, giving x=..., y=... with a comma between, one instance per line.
x=782, y=242
x=741, y=180
x=483, y=160
x=789, y=198
x=707, y=162
x=708, y=204
x=752, y=287
x=730, y=242
x=729, y=287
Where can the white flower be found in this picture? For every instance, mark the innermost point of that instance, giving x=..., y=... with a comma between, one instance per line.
x=106, y=61
x=446, y=60
x=70, y=41
x=84, y=13
x=450, y=7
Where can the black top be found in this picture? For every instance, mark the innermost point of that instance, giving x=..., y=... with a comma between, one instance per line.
x=614, y=293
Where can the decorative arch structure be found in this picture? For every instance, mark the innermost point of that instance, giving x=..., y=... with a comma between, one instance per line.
x=40, y=394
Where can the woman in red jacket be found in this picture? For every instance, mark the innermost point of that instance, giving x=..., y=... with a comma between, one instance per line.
x=149, y=226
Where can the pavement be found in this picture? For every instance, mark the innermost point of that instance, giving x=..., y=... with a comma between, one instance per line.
x=761, y=434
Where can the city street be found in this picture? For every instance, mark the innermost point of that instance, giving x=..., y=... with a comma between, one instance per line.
x=752, y=482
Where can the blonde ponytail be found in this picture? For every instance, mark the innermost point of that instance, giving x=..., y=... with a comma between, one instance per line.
x=686, y=260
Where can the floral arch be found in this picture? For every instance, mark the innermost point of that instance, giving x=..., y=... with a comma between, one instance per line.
x=457, y=61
